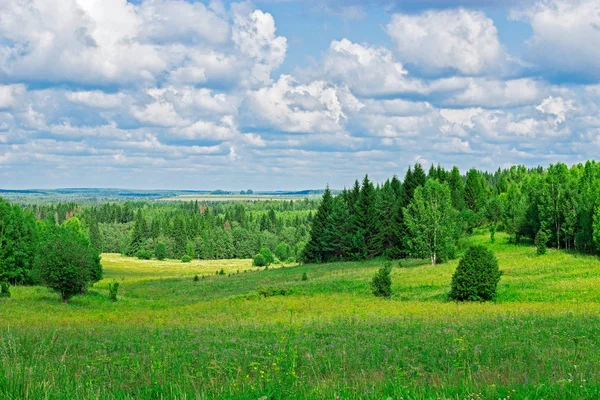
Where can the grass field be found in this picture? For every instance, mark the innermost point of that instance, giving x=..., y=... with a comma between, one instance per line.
x=169, y=337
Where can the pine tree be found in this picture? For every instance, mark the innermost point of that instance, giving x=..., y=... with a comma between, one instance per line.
x=317, y=249
x=365, y=219
x=474, y=191
x=96, y=240
x=338, y=230
x=457, y=189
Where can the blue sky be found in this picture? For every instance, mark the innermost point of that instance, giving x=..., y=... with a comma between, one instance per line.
x=290, y=94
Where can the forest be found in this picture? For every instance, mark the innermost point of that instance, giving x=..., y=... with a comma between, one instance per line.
x=425, y=215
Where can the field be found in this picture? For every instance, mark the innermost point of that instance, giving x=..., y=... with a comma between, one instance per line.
x=169, y=337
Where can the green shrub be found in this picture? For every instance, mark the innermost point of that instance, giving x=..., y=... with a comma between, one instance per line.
x=304, y=277
x=113, y=289
x=144, y=254
x=273, y=291
x=160, y=251
x=259, y=261
x=492, y=233
x=476, y=276
x=266, y=253
x=381, y=285
x=186, y=259
x=282, y=251
x=4, y=289
x=221, y=272
x=196, y=278
x=541, y=238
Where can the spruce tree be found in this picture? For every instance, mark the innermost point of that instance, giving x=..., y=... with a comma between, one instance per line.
x=457, y=189
x=317, y=248
x=474, y=191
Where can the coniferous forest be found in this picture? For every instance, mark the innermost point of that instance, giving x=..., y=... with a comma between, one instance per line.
x=424, y=215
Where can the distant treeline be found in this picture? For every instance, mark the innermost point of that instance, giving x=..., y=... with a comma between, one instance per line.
x=426, y=214
x=195, y=229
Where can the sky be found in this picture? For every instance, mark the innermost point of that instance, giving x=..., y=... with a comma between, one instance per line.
x=290, y=94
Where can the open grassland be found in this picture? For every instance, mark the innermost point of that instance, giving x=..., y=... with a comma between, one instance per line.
x=170, y=337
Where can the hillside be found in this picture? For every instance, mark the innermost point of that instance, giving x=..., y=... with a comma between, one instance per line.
x=171, y=337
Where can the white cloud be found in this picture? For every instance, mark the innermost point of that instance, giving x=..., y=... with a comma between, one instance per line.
x=462, y=40
x=556, y=106
x=565, y=37
x=291, y=107
x=10, y=94
x=367, y=70
x=254, y=36
x=96, y=98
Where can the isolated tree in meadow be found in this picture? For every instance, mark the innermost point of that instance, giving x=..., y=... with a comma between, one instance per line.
x=476, y=276
x=381, y=285
x=66, y=262
x=431, y=222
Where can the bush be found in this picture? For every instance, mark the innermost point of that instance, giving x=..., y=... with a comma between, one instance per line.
x=381, y=285
x=160, y=251
x=266, y=253
x=304, y=277
x=259, y=261
x=221, y=272
x=4, y=289
x=113, y=289
x=273, y=291
x=196, y=279
x=186, y=259
x=476, y=276
x=541, y=238
x=282, y=251
x=144, y=254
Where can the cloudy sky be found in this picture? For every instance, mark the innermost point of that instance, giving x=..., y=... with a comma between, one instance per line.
x=290, y=94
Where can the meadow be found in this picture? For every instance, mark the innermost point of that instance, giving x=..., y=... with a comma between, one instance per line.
x=267, y=334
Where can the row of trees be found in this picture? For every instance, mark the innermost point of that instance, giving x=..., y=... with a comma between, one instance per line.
x=59, y=256
x=425, y=215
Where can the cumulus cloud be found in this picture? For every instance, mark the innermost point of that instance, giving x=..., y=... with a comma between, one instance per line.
x=458, y=40
x=367, y=70
x=565, y=37
x=292, y=107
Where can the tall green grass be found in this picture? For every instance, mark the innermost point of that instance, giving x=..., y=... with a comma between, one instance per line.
x=169, y=337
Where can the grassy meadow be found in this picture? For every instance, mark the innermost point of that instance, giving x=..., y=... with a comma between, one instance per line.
x=328, y=337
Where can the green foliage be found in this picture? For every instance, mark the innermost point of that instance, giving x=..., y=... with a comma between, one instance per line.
x=596, y=228
x=144, y=254
x=476, y=276
x=196, y=278
x=304, y=276
x=4, y=289
x=541, y=239
x=160, y=251
x=431, y=222
x=222, y=272
x=113, y=290
x=492, y=229
x=186, y=259
x=381, y=285
x=266, y=253
x=282, y=251
x=66, y=262
x=18, y=244
x=273, y=291
x=259, y=261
